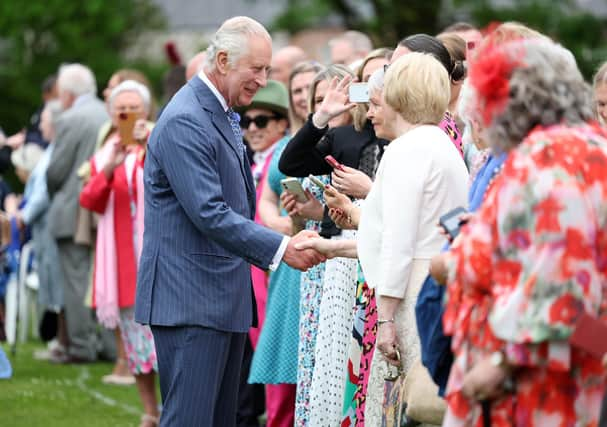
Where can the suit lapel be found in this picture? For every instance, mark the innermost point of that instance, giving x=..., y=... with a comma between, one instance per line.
x=220, y=120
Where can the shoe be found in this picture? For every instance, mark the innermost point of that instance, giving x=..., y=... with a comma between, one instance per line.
x=118, y=379
x=67, y=359
x=53, y=346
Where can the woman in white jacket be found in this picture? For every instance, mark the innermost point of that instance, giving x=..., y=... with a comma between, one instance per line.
x=421, y=177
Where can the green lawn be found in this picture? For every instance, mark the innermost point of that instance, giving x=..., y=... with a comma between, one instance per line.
x=41, y=394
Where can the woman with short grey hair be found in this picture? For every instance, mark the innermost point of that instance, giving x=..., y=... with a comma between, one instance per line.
x=530, y=262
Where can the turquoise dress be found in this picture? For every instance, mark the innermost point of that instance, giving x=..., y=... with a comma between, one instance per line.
x=275, y=358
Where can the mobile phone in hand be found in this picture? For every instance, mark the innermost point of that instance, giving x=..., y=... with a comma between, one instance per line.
x=451, y=222
x=334, y=163
x=293, y=186
x=358, y=92
x=589, y=335
x=317, y=182
x=126, y=125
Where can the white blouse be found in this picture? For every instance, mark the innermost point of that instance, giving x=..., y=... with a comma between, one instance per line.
x=421, y=177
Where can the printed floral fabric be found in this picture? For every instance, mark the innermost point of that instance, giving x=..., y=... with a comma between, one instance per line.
x=138, y=343
x=526, y=266
x=309, y=311
x=449, y=126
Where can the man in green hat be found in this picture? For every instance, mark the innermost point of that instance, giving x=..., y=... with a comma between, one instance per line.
x=264, y=122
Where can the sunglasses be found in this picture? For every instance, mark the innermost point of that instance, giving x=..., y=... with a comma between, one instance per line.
x=260, y=121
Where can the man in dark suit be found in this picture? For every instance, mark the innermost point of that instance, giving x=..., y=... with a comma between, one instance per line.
x=194, y=283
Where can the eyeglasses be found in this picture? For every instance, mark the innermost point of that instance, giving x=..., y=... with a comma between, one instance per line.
x=260, y=121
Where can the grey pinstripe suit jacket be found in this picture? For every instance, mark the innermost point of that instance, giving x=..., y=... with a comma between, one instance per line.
x=199, y=235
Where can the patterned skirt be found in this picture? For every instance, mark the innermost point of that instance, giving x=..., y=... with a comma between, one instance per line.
x=138, y=344
x=364, y=334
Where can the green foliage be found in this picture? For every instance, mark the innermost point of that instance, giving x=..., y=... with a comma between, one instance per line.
x=39, y=35
x=581, y=32
x=391, y=20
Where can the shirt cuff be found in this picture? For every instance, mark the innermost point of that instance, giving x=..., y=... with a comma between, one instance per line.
x=279, y=253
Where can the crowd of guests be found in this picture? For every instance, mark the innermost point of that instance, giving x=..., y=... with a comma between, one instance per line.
x=501, y=124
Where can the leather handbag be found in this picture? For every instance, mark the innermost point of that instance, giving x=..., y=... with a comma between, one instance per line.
x=421, y=395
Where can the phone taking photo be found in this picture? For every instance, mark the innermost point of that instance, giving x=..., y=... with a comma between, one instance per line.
x=317, y=182
x=451, y=222
x=293, y=186
x=334, y=163
x=126, y=125
x=358, y=92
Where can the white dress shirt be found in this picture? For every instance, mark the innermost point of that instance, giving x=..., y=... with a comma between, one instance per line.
x=421, y=177
x=285, y=240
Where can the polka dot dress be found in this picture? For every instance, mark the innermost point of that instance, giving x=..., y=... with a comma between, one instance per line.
x=334, y=339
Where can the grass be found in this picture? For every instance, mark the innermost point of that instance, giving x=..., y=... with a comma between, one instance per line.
x=41, y=394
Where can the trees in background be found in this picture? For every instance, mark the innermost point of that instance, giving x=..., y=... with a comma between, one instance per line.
x=36, y=36
x=388, y=21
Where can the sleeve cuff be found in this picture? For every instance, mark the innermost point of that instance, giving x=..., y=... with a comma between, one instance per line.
x=279, y=253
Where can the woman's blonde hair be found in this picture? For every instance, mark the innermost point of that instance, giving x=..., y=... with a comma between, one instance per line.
x=601, y=76
x=359, y=113
x=295, y=122
x=418, y=88
x=334, y=70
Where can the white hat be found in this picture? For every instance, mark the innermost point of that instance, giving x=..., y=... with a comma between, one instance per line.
x=26, y=156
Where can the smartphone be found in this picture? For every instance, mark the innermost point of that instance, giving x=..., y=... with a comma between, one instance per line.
x=334, y=163
x=358, y=92
x=451, y=222
x=126, y=124
x=317, y=182
x=589, y=335
x=293, y=186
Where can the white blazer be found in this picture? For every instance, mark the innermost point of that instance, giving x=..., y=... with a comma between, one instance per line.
x=421, y=177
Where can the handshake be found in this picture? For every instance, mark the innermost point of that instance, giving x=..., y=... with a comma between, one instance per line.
x=302, y=251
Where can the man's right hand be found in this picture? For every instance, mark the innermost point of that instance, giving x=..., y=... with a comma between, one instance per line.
x=302, y=260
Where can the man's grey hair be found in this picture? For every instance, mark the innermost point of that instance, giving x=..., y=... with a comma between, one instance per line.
x=547, y=89
x=233, y=37
x=55, y=109
x=360, y=42
x=76, y=79
x=131, y=86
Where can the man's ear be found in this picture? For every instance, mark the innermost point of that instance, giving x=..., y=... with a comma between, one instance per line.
x=221, y=62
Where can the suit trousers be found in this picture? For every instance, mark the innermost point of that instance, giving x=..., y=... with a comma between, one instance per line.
x=75, y=262
x=251, y=397
x=199, y=370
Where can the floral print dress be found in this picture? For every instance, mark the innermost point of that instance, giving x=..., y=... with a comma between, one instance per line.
x=531, y=261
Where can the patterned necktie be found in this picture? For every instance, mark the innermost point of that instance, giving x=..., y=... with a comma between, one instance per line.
x=234, y=119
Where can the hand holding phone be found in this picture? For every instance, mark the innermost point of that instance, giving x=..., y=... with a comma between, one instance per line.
x=451, y=221
x=334, y=163
x=589, y=335
x=293, y=186
x=126, y=125
x=358, y=92
x=317, y=182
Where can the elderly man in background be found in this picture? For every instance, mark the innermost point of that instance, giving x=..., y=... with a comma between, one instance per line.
x=76, y=133
x=350, y=48
x=195, y=65
x=283, y=62
x=194, y=283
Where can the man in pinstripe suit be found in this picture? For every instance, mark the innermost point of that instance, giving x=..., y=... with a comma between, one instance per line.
x=194, y=284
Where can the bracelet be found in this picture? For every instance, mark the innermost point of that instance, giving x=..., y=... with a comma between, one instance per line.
x=382, y=321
